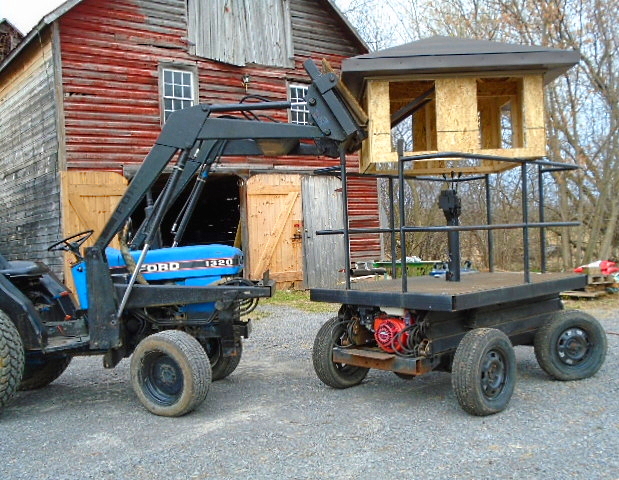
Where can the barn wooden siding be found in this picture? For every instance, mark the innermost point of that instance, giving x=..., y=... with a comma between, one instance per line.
x=110, y=53
x=363, y=208
x=29, y=185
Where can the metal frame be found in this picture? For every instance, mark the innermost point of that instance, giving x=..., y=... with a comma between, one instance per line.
x=442, y=296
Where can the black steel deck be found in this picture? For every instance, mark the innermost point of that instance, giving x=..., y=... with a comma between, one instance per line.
x=472, y=291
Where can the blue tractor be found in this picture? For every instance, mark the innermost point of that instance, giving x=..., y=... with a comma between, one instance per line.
x=179, y=311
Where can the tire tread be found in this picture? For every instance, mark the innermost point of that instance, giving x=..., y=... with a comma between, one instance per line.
x=11, y=359
x=324, y=367
x=464, y=375
x=195, y=359
x=544, y=341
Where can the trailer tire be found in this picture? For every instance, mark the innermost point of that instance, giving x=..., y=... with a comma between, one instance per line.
x=170, y=373
x=221, y=366
x=41, y=371
x=571, y=345
x=11, y=359
x=484, y=371
x=336, y=375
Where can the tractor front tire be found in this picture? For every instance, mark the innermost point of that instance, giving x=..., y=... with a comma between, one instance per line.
x=170, y=373
x=41, y=371
x=11, y=359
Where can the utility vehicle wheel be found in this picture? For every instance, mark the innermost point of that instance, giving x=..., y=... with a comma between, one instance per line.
x=40, y=371
x=484, y=371
x=170, y=373
x=571, y=345
x=11, y=359
x=336, y=375
x=221, y=366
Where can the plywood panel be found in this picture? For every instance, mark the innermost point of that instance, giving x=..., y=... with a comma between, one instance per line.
x=490, y=122
x=533, y=114
x=274, y=228
x=379, y=124
x=464, y=116
x=456, y=114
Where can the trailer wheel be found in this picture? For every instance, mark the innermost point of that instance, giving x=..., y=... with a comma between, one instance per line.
x=221, y=366
x=484, y=371
x=11, y=359
x=40, y=371
x=336, y=375
x=170, y=373
x=571, y=345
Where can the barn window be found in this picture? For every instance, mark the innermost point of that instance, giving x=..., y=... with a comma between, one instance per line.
x=178, y=89
x=239, y=32
x=299, y=113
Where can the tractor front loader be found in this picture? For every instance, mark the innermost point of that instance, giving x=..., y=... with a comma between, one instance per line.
x=178, y=311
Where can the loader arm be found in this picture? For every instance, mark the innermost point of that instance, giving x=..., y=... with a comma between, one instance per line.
x=189, y=140
x=335, y=127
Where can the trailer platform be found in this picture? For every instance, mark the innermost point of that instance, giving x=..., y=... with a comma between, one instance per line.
x=472, y=291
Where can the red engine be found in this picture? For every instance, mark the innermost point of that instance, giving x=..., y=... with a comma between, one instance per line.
x=390, y=333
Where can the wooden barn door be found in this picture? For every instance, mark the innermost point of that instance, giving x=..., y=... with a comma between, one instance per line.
x=88, y=200
x=275, y=226
x=322, y=210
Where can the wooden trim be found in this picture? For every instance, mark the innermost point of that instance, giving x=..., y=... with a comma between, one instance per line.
x=59, y=93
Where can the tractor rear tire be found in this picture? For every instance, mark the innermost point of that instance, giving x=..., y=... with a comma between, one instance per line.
x=170, y=373
x=571, y=345
x=483, y=374
x=336, y=375
x=40, y=371
x=11, y=359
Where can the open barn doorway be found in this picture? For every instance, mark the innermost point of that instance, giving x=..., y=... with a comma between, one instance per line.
x=214, y=220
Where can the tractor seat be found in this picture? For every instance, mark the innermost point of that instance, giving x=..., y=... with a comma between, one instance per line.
x=22, y=268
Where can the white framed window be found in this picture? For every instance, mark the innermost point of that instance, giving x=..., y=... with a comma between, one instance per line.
x=299, y=113
x=178, y=89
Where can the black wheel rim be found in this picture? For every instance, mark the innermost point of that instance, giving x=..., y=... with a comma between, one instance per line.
x=212, y=347
x=493, y=374
x=162, y=378
x=573, y=346
x=340, y=339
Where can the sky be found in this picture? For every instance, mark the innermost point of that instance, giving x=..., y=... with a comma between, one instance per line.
x=25, y=14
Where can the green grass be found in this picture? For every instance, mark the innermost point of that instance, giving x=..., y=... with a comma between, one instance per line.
x=300, y=300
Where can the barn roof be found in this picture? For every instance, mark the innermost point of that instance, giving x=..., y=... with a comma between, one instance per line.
x=441, y=55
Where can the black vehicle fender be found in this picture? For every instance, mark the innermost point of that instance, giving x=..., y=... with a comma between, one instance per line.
x=23, y=314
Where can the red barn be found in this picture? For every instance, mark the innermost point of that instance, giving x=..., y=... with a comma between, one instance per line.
x=84, y=94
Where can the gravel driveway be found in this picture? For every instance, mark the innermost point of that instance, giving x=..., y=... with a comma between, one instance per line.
x=273, y=418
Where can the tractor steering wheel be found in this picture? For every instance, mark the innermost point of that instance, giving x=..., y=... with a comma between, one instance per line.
x=71, y=244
